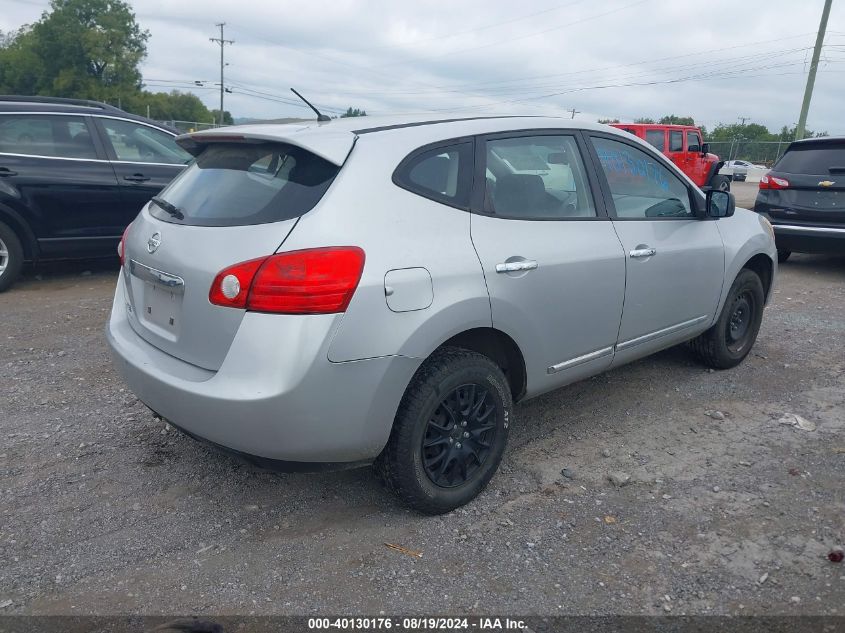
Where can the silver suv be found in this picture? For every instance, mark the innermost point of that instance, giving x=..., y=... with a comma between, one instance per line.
x=338, y=294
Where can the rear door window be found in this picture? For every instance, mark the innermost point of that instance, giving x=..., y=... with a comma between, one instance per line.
x=813, y=158
x=236, y=184
x=536, y=178
x=136, y=143
x=46, y=135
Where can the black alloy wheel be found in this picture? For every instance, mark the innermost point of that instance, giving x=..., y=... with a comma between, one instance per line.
x=459, y=435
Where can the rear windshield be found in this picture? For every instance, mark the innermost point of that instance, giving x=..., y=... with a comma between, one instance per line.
x=813, y=158
x=235, y=184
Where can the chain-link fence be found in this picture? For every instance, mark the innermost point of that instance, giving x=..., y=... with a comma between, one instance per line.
x=189, y=126
x=758, y=152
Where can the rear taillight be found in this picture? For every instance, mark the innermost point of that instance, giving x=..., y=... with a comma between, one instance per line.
x=773, y=182
x=121, y=247
x=313, y=281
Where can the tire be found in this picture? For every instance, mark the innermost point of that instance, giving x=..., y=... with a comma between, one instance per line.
x=720, y=183
x=783, y=255
x=11, y=256
x=730, y=340
x=436, y=461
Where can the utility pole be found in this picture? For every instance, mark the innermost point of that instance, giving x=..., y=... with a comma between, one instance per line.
x=222, y=41
x=811, y=77
x=573, y=111
x=743, y=119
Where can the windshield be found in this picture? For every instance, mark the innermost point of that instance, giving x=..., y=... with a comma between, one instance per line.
x=236, y=184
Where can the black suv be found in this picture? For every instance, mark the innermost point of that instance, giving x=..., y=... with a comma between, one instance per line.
x=73, y=175
x=803, y=196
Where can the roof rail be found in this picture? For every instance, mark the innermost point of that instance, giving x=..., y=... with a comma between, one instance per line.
x=60, y=101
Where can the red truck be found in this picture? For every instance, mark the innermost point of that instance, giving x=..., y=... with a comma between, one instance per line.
x=684, y=147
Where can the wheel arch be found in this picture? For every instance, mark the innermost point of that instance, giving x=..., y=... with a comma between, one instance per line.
x=22, y=230
x=498, y=347
x=763, y=265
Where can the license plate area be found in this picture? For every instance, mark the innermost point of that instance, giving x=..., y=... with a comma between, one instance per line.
x=160, y=307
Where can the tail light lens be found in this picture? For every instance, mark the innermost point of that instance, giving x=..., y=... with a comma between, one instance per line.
x=313, y=281
x=121, y=247
x=773, y=182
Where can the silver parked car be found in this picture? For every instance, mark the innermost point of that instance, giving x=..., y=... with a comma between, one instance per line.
x=359, y=291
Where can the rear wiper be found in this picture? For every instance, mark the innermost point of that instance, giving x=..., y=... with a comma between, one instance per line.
x=170, y=208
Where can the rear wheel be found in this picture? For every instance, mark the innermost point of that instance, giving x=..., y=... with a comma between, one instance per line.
x=729, y=341
x=783, y=255
x=720, y=183
x=449, y=433
x=11, y=257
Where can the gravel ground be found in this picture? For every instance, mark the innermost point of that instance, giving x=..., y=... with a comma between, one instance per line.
x=106, y=511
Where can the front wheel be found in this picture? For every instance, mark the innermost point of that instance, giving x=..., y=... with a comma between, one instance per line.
x=729, y=341
x=720, y=183
x=783, y=255
x=11, y=256
x=449, y=433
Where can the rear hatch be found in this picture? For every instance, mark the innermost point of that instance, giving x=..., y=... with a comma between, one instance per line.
x=238, y=201
x=815, y=194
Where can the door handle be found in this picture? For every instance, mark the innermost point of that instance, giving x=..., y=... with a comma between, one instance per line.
x=136, y=178
x=643, y=252
x=510, y=267
x=5, y=171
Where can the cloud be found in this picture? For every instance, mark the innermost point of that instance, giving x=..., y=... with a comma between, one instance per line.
x=620, y=58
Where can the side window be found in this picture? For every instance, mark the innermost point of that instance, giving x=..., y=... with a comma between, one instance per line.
x=537, y=177
x=443, y=174
x=44, y=135
x=641, y=186
x=693, y=142
x=138, y=143
x=676, y=141
x=656, y=138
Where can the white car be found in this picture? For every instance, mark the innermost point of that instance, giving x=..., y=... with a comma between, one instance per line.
x=735, y=170
x=745, y=164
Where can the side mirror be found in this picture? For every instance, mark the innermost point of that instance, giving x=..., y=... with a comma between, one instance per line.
x=720, y=204
x=705, y=148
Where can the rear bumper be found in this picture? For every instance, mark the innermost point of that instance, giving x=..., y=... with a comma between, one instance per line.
x=810, y=239
x=276, y=397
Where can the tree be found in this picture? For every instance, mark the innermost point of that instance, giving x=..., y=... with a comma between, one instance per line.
x=89, y=49
x=671, y=119
x=608, y=121
x=350, y=112
x=643, y=119
x=164, y=106
x=227, y=117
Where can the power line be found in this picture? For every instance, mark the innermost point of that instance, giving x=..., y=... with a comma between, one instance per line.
x=467, y=31
x=518, y=37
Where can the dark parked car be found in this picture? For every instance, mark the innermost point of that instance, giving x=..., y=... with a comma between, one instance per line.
x=73, y=175
x=803, y=196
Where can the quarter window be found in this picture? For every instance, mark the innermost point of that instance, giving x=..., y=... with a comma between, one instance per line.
x=137, y=143
x=656, y=138
x=641, y=186
x=536, y=177
x=676, y=141
x=442, y=174
x=44, y=135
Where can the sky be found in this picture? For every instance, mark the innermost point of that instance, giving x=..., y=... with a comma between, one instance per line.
x=716, y=61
